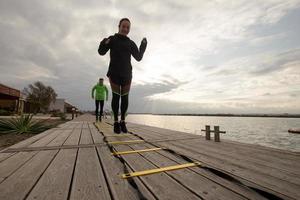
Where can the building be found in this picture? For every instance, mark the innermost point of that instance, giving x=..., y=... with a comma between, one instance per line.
x=61, y=105
x=11, y=100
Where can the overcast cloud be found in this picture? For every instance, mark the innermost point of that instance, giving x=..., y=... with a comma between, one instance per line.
x=202, y=56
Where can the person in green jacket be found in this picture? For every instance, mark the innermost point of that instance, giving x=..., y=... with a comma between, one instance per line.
x=101, y=94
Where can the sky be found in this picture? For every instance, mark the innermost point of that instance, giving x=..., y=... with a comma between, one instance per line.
x=216, y=56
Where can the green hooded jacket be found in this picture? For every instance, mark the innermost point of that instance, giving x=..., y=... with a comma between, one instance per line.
x=101, y=92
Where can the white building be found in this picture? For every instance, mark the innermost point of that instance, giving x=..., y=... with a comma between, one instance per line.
x=62, y=105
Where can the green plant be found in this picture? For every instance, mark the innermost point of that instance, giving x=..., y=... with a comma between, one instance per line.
x=23, y=124
x=5, y=112
x=62, y=116
x=57, y=113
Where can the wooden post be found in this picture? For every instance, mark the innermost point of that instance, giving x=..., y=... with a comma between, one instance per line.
x=217, y=133
x=207, y=132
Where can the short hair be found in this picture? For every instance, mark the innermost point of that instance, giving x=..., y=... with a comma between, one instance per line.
x=100, y=79
x=123, y=19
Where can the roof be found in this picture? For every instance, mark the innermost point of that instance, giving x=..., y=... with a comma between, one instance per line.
x=7, y=92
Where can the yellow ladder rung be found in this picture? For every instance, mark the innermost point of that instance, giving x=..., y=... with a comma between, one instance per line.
x=119, y=135
x=163, y=169
x=126, y=142
x=136, y=151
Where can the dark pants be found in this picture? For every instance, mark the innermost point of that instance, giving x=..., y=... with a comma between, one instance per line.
x=97, y=102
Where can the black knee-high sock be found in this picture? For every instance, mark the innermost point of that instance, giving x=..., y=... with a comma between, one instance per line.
x=124, y=106
x=115, y=105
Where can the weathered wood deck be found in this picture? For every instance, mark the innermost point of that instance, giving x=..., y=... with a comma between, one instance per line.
x=75, y=161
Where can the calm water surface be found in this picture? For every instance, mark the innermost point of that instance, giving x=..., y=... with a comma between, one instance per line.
x=272, y=132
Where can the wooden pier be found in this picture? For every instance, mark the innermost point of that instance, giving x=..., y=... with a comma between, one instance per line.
x=82, y=160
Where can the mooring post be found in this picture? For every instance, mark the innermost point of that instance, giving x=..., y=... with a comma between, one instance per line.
x=207, y=132
x=217, y=133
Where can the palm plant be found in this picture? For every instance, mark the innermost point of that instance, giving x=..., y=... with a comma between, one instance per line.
x=22, y=124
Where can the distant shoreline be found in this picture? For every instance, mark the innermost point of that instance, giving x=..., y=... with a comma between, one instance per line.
x=229, y=115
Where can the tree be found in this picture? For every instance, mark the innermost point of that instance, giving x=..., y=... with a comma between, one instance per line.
x=40, y=95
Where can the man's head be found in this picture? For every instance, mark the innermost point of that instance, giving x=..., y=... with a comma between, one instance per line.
x=101, y=81
x=124, y=26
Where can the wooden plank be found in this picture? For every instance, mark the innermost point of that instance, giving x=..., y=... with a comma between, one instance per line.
x=235, y=150
x=54, y=147
x=85, y=125
x=86, y=137
x=120, y=188
x=262, y=181
x=255, y=164
x=201, y=148
x=64, y=125
x=197, y=183
x=55, y=182
x=246, y=155
x=73, y=139
x=113, y=168
x=156, y=182
x=14, y=162
x=282, y=172
x=97, y=136
x=283, y=165
x=61, y=138
x=78, y=125
x=4, y=156
x=30, y=140
x=91, y=125
x=89, y=181
x=243, y=191
x=45, y=140
x=16, y=186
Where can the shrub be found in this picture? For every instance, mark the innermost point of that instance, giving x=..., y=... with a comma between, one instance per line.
x=57, y=113
x=62, y=116
x=4, y=112
x=23, y=124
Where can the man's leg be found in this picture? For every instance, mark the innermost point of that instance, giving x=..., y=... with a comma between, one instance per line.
x=101, y=109
x=97, y=109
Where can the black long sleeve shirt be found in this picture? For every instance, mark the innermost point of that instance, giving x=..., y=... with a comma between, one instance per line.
x=121, y=48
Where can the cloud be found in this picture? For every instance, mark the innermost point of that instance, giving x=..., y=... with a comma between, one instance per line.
x=202, y=55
